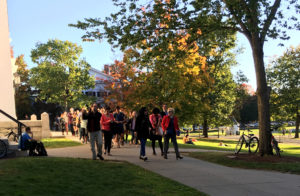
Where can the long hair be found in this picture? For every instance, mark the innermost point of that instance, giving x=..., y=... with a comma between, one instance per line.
x=142, y=112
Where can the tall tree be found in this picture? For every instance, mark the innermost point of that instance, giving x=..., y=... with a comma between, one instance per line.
x=60, y=75
x=22, y=89
x=284, y=77
x=254, y=20
x=211, y=23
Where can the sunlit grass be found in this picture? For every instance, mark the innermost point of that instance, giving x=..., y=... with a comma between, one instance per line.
x=59, y=143
x=223, y=159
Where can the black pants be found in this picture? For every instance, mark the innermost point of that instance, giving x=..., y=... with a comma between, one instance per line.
x=107, y=140
x=153, y=139
x=31, y=145
x=174, y=141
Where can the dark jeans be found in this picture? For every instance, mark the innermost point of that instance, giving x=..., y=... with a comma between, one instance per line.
x=153, y=139
x=166, y=143
x=31, y=145
x=107, y=140
x=143, y=147
x=71, y=128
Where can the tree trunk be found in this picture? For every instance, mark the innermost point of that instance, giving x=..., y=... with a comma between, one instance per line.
x=205, y=128
x=263, y=96
x=297, y=125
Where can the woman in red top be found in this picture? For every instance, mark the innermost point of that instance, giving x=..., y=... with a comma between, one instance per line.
x=106, y=119
x=170, y=127
x=155, y=120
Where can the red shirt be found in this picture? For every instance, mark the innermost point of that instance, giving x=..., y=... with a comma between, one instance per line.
x=166, y=121
x=105, y=122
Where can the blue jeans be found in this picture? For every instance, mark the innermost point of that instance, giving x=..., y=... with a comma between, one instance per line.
x=143, y=147
x=71, y=128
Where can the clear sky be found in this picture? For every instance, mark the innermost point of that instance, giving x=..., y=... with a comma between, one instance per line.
x=33, y=21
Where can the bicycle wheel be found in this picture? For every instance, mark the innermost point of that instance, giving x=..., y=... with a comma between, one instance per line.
x=253, y=145
x=3, y=149
x=239, y=145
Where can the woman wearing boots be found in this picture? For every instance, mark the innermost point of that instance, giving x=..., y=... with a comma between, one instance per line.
x=170, y=127
x=155, y=119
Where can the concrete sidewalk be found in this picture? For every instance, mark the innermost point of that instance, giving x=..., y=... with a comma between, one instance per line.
x=207, y=177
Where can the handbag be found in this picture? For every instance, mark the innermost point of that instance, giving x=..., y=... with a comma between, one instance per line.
x=160, y=131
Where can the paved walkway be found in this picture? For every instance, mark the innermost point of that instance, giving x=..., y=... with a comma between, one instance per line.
x=207, y=177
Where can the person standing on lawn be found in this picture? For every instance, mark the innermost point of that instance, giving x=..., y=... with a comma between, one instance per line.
x=94, y=131
x=106, y=120
x=143, y=126
x=170, y=128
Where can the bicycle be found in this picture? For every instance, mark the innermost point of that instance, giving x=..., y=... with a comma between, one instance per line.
x=12, y=136
x=251, y=142
x=3, y=149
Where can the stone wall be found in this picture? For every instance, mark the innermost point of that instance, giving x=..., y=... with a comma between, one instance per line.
x=39, y=128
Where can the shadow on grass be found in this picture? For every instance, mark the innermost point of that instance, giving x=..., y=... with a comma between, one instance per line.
x=67, y=176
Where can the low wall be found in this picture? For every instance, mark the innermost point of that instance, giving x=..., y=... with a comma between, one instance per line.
x=39, y=128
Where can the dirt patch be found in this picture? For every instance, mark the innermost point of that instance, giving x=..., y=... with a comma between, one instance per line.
x=267, y=158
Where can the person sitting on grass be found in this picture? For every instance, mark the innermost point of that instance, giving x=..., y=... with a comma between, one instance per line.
x=187, y=140
x=27, y=143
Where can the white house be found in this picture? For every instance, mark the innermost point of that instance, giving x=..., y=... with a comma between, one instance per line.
x=99, y=91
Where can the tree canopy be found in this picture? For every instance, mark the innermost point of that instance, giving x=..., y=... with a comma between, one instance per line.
x=157, y=27
x=284, y=76
x=60, y=76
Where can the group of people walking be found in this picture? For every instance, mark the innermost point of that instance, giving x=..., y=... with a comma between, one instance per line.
x=93, y=124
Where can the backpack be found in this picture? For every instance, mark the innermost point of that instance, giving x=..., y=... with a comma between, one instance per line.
x=41, y=149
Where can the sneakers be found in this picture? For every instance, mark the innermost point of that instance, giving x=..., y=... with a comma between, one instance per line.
x=144, y=158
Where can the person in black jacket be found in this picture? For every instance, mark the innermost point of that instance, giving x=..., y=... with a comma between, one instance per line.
x=93, y=127
x=143, y=126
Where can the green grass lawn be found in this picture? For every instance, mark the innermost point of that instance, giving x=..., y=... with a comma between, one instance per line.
x=229, y=145
x=258, y=163
x=59, y=143
x=67, y=176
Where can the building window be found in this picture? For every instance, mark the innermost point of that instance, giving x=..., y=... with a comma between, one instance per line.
x=94, y=94
x=98, y=94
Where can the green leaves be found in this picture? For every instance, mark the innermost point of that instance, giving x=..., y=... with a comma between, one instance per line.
x=284, y=78
x=60, y=75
